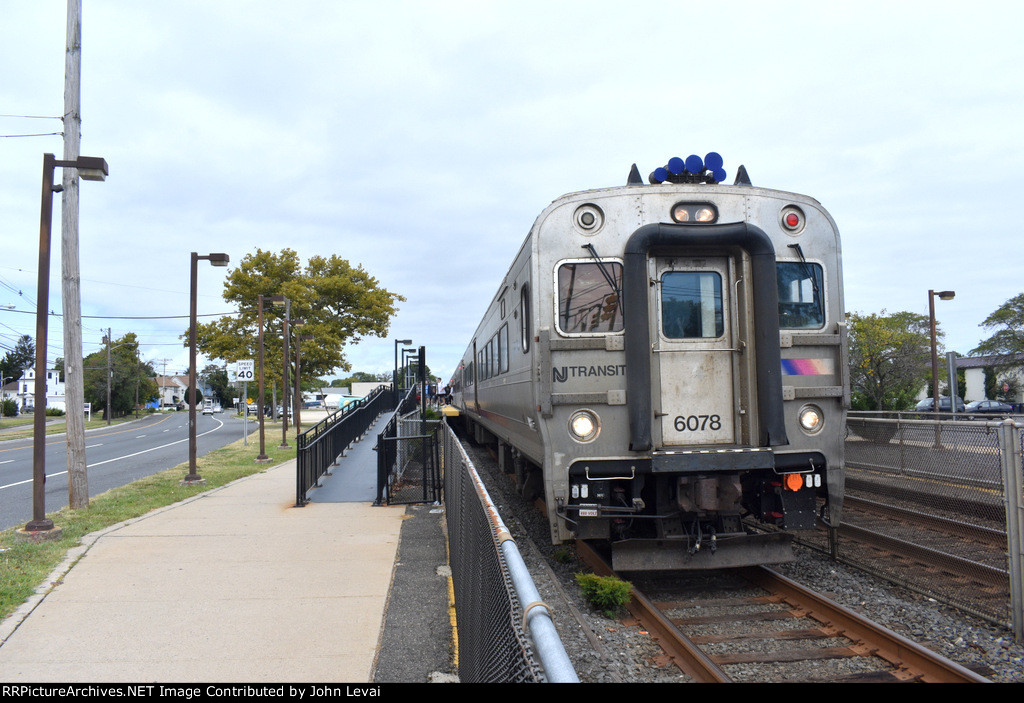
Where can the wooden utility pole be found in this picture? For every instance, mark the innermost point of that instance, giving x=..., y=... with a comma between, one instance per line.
x=78, y=485
x=110, y=373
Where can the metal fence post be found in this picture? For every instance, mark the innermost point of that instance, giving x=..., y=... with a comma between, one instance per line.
x=1010, y=449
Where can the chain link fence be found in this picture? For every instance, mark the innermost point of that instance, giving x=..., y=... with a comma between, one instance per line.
x=505, y=632
x=926, y=506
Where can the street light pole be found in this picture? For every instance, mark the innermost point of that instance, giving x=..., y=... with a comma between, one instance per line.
x=942, y=295
x=394, y=378
x=193, y=476
x=262, y=456
x=407, y=365
x=273, y=299
x=299, y=339
x=285, y=410
x=93, y=169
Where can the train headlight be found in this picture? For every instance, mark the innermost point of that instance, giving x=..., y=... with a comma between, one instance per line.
x=588, y=218
x=703, y=213
x=584, y=425
x=811, y=419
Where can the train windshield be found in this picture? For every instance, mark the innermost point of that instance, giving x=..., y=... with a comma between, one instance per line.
x=800, y=296
x=691, y=305
x=588, y=297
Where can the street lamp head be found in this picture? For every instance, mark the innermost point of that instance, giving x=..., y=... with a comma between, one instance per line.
x=403, y=341
x=219, y=259
x=275, y=299
x=92, y=168
x=946, y=294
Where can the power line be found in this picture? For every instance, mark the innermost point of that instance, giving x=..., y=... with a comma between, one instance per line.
x=130, y=317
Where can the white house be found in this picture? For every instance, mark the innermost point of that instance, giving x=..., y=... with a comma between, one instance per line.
x=26, y=396
x=974, y=373
x=172, y=389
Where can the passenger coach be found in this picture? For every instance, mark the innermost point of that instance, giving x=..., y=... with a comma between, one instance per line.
x=664, y=364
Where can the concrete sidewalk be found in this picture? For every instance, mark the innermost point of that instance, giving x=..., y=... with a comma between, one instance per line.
x=233, y=585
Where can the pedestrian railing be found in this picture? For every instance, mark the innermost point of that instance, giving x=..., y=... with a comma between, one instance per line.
x=320, y=446
x=506, y=633
x=407, y=464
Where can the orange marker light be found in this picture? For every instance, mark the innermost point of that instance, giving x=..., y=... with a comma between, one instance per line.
x=793, y=482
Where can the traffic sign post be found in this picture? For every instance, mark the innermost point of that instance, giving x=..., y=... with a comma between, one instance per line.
x=245, y=371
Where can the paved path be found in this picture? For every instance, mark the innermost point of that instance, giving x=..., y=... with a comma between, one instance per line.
x=233, y=585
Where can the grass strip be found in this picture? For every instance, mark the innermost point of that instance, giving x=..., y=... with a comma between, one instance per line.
x=26, y=565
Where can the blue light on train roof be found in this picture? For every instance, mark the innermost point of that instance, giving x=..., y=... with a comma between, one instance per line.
x=691, y=170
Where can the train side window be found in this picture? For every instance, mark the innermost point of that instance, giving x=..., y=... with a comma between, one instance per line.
x=691, y=305
x=588, y=297
x=801, y=303
x=503, y=349
x=524, y=317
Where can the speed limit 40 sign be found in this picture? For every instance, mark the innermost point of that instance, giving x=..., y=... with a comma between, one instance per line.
x=245, y=370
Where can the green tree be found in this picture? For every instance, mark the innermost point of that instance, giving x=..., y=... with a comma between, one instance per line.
x=339, y=303
x=14, y=363
x=130, y=378
x=357, y=377
x=890, y=359
x=217, y=379
x=1007, y=340
x=995, y=379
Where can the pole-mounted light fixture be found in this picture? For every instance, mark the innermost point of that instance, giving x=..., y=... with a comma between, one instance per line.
x=218, y=259
x=90, y=168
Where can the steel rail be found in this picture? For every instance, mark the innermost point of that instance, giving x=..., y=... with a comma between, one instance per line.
x=954, y=528
x=965, y=568
x=686, y=655
x=913, y=660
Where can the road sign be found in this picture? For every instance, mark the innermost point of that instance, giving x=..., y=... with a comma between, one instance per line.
x=245, y=369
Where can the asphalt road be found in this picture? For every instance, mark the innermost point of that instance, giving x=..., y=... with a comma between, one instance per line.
x=115, y=456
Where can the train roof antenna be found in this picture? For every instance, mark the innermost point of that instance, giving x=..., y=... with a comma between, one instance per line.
x=634, y=177
x=742, y=179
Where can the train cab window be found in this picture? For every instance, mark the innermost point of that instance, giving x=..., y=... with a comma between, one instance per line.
x=588, y=297
x=801, y=303
x=524, y=317
x=691, y=305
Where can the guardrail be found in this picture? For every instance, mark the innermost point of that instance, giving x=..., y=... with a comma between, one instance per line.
x=320, y=446
x=967, y=475
x=506, y=633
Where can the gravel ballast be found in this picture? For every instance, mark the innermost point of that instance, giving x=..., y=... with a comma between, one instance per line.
x=605, y=650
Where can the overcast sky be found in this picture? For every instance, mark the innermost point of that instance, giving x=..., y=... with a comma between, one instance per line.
x=422, y=139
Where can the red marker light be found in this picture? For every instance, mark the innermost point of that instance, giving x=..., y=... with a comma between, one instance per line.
x=792, y=219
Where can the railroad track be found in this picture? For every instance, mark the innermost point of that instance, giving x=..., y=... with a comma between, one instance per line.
x=771, y=629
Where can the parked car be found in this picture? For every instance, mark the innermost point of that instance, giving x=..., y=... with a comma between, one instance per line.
x=988, y=407
x=928, y=405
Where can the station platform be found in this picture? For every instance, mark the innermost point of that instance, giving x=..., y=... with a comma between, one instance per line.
x=238, y=585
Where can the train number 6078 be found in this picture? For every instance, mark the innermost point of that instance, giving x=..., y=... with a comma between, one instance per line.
x=696, y=423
